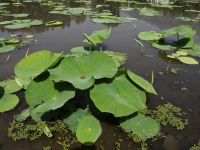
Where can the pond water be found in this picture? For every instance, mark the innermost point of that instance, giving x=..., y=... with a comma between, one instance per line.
x=70, y=35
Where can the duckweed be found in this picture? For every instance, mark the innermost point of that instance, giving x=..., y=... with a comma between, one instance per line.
x=195, y=146
x=169, y=114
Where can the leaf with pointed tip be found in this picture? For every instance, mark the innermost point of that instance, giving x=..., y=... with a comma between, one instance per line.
x=144, y=84
x=188, y=60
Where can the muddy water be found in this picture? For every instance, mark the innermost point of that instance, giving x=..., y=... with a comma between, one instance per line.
x=70, y=35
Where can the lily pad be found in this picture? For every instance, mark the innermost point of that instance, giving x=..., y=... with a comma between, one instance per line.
x=150, y=36
x=99, y=36
x=43, y=97
x=142, y=126
x=35, y=64
x=10, y=86
x=120, y=97
x=89, y=130
x=8, y=102
x=73, y=120
x=182, y=30
x=54, y=23
x=144, y=84
x=6, y=48
x=82, y=71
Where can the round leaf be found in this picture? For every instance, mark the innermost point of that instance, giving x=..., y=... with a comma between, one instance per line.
x=121, y=98
x=35, y=64
x=8, y=102
x=82, y=71
x=150, y=36
x=142, y=126
x=88, y=131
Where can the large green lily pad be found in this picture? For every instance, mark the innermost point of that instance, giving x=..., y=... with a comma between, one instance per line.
x=35, y=64
x=42, y=97
x=82, y=71
x=88, y=131
x=144, y=84
x=142, y=126
x=120, y=97
x=182, y=30
x=8, y=102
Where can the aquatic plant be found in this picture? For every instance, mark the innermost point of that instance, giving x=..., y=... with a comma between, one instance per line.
x=116, y=91
x=195, y=146
x=184, y=45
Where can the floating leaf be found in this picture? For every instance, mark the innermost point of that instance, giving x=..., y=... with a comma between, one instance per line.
x=42, y=97
x=8, y=102
x=54, y=23
x=182, y=30
x=163, y=47
x=99, y=36
x=188, y=60
x=89, y=130
x=73, y=120
x=142, y=126
x=35, y=64
x=6, y=48
x=82, y=71
x=120, y=97
x=144, y=84
x=150, y=36
x=10, y=86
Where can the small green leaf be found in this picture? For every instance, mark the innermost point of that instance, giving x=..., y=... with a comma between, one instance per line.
x=144, y=84
x=8, y=102
x=142, y=126
x=188, y=60
x=89, y=130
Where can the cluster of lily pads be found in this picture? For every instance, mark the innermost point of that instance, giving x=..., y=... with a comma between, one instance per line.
x=114, y=90
x=182, y=43
x=13, y=42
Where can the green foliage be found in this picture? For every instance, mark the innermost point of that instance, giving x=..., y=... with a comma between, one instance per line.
x=185, y=43
x=82, y=71
x=8, y=102
x=98, y=36
x=88, y=130
x=116, y=100
x=35, y=64
x=142, y=126
x=144, y=84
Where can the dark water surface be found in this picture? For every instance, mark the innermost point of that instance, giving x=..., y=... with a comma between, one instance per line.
x=70, y=35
